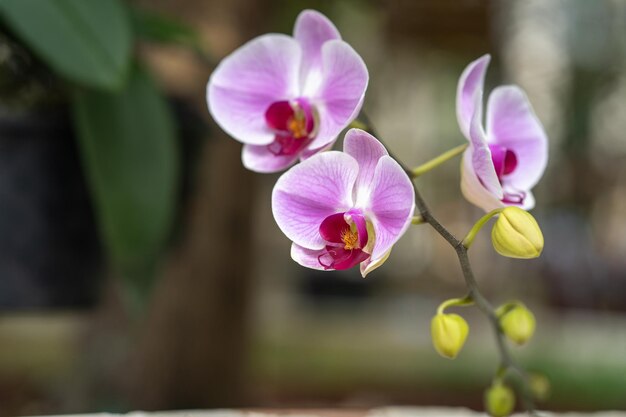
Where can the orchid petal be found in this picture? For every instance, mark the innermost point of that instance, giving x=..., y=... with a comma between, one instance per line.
x=339, y=94
x=529, y=201
x=311, y=191
x=471, y=82
x=259, y=158
x=369, y=265
x=308, y=152
x=367, y=151
x=310, y=258
x=512, y=124
x=481, y=154
x=245, y=83
x=473, y=189
x=341, y=258
x=391, y=204
x=312, y=30
x=307, y=257
x=332, y=227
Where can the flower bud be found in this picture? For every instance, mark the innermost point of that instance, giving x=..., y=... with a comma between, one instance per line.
x=539, y=386
x=516, y=234
x=499, y=400
x=449, y=332
x=518, y=324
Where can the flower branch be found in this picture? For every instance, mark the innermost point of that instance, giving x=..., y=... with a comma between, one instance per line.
x=507, y=363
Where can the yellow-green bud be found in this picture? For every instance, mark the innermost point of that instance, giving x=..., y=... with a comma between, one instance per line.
x=516, y=234
x=518, y=324
x=539, y=386
x=449, y=332
x=499, y=400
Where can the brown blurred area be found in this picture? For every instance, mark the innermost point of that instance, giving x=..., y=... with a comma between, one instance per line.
x=233, y=322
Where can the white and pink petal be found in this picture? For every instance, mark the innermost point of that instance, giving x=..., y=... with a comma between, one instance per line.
x=310, y=192
x=338, y=94
x=312, y=30
x=308, y=258
x=512, y=123
x=480, y=155
x=472, y=188
x=259, y=158
x=367, y=151
x=391, y=205
x=248, y=81
x=471, y=83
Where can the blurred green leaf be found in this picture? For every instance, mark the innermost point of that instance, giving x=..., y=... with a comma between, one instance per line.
x=155, y=27
x=160, y=28
x=85, y=41
x=129, y=152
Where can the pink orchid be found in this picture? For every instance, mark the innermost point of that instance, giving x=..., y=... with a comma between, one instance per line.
x=288, y=97
x=345, y=208
x=505, y=161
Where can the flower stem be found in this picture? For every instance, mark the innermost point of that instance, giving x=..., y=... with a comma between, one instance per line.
x=435, y=162
x=507, y=363
x=458, y=302
x=469, y=239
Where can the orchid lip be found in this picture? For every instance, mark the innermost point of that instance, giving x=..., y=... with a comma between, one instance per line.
x=504, y=160
x=346, y=236
x=293, y=123
x=516, y=197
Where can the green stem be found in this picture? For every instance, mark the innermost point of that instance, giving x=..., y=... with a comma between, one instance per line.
x=435, y=162
x=469, y=239
x=508, y=306
x=455, y=302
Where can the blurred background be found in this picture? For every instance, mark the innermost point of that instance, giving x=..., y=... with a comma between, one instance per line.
x=141, y=268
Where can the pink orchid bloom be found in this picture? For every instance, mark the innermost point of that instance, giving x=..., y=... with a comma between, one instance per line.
x=288, y=97
x=504, y=162
x=345, y=208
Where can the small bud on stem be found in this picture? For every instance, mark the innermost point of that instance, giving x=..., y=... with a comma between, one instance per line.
x=449, y=331
x=499, y=399
x=516, y=234
x=517, y=322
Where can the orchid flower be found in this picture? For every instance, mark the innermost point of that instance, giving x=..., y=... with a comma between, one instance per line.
x=345, y=208
x=505, y=161
x=288, y=97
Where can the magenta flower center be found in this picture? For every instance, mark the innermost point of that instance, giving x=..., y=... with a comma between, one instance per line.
x=504, y=160
x=293, y=123
x=344, y=240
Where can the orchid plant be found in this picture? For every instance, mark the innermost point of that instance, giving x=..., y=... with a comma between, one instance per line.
x=289, y=99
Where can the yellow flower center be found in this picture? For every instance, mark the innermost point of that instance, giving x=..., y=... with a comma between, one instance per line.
x=297, y=124
x=350, y=239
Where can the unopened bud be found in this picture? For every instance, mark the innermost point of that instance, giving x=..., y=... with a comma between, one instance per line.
x=539, y=386
x=516, y=234
x=449, y=332
x=518, y=323
x=499, y=400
